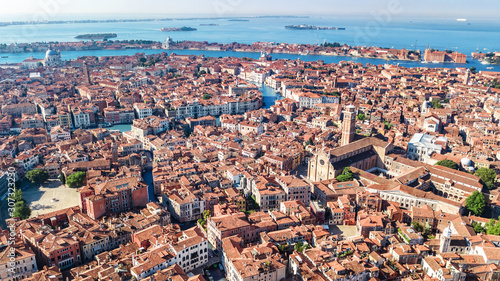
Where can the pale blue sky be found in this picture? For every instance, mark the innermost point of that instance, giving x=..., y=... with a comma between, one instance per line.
x=57, y=9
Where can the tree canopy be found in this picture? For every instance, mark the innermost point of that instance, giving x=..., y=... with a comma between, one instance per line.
x=346, y=175
x=487, y=177
x=478, y=228
x=300, y=247
x=62, y=178
x=448, y=163
x=475, y=203
x=37, y=176
x=76, y=179
x=436, y=104
x=22, y=210
x=387, y=125
x=493, y=227
x=417, y=226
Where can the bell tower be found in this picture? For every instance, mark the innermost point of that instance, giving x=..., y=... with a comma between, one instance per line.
x=444, y=243
x=348, y=125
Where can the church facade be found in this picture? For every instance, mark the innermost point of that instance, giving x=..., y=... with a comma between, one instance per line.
x=364, y=154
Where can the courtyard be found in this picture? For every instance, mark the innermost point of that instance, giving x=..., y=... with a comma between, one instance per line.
x=50, y=196
x=345, y=230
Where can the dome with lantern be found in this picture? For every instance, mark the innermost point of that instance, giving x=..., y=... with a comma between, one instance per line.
x=52, y=58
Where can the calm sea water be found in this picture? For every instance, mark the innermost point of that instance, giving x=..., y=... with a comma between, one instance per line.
x=411, y=34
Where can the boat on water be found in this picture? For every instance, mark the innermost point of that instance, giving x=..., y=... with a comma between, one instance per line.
x=490, y=67
x=484, y=62
x=435, y=61
x=461, y=19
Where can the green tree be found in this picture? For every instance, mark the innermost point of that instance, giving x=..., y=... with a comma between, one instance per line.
x=309, y=141
x=475, y=203
x=300, y=247
x=487, y=177
x=76, y=179
x=37, y=176
x=206, y=215
x=22, y=210
x=436, y=104
x=427, y=230
x=285, y=249
x=387, y=125
x=361, y=117
x=62, y=178
x=17, y=196
x=478, y=228
x=473, y=70
x=448, y=163
x=369, y=102
x=493, y=227
x=333, y=45
x=346, y=175
x=206, y=96
x=417, y=226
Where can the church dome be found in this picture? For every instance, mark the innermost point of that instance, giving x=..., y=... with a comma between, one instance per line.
x=466, y=162
x=51, y=53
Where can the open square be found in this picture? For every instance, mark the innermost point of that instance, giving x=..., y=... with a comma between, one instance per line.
x=50, y=196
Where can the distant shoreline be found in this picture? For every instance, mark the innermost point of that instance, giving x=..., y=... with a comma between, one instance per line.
x=7, y=23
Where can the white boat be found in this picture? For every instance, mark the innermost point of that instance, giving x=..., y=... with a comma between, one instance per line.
x=490, y=67
x=484, y=62
x=461, y=19
x=435, y=61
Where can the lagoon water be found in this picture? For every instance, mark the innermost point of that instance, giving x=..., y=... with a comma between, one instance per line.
x=449, y=34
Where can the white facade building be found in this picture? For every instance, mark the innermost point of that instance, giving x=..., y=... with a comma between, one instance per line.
x=422, y=146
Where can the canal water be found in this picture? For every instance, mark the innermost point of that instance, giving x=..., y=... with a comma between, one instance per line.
x=121, y=127
x=71, y=55
x=269, y=96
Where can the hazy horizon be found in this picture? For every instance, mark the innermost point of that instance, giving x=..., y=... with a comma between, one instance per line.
x=36, y=10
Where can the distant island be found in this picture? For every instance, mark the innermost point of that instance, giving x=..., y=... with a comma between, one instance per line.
x=96, y=36
x=490, y=59
x=311, y=27
x=237, y=20
x=208, y=24
x=184, y=28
